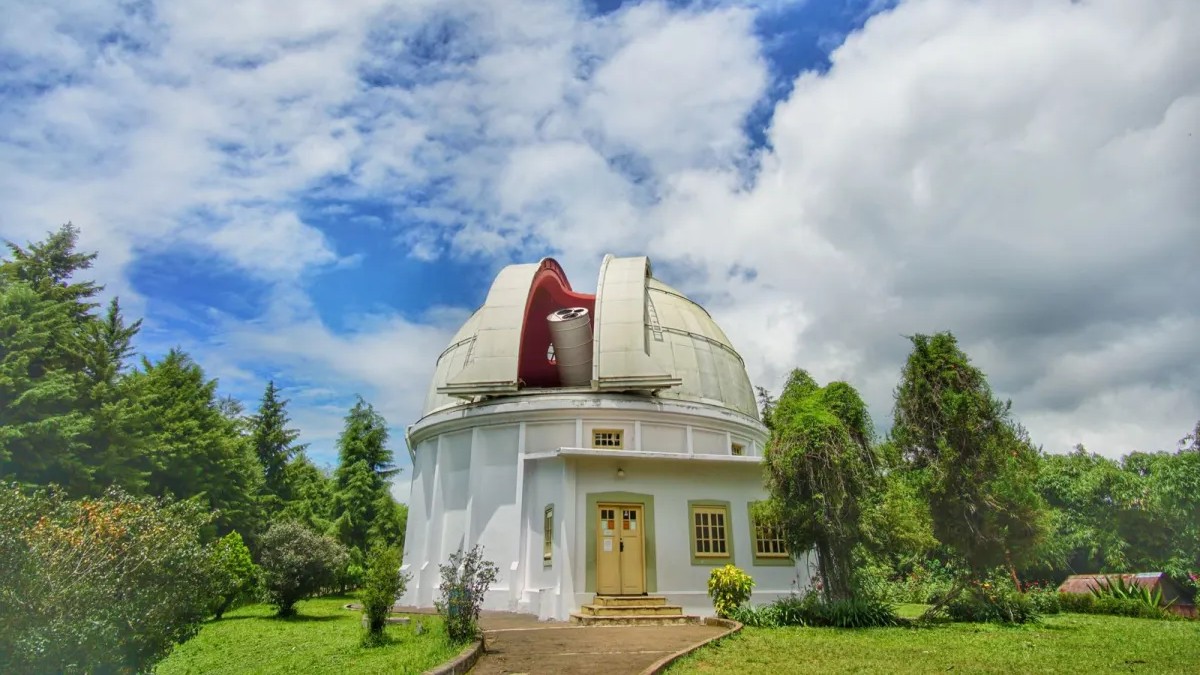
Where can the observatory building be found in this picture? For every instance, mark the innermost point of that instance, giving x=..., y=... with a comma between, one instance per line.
x=593, y=445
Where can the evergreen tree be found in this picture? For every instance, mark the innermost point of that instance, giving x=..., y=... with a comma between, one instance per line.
x=112, y=447
x=192, y=448
x=311, y=495
x=44, y=320
x=980, y=467
x=275, y=445
x=362, y=504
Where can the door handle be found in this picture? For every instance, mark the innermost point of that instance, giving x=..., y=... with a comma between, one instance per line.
x=622, y=550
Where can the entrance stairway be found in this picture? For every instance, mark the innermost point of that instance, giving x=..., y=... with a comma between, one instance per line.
x=631, y=610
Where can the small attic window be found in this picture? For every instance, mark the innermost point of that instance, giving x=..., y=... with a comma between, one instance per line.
x=737, y=449
x=608, y=438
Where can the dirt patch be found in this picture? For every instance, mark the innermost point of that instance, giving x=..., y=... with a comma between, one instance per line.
x=578, y=650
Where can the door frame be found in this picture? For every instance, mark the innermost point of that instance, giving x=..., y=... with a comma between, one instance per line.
x=620, y=509
x=649, y=553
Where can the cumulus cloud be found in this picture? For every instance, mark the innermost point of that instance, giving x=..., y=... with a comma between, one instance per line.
x=1022, y=173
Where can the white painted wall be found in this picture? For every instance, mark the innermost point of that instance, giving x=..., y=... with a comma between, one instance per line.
x=673, y=483
x=471, y=486
x=664, y=437
x=706, y=442
x=544, y=436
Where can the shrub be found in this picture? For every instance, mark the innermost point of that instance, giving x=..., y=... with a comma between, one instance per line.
x=465, y=581
x=1044, y=600
x=235, y=574
x=1117, y=587
x=764, y=616
x=1082, y=603
x=105, y=584
x=298, y=563
x=986, y=605
x=729, y=587
x=384, y=583
x=811, y=610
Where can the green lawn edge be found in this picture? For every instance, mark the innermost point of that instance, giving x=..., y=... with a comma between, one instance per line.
x=322, y=638
x=1065, y=643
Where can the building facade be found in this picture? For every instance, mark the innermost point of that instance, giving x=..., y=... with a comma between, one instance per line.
x=591, y=444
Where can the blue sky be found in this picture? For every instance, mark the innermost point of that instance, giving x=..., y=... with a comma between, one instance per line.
x=320, y=193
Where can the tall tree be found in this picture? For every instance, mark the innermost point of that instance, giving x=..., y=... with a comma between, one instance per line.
x=980, y=465
x=192, y=448
x=112, y=446
x=274, y=444
x=362, y=478
x=311, y=494
x=821, y=469
x=44, y=320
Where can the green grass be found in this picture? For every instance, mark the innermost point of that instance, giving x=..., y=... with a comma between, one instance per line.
x=322, y=638
x=1065, y=643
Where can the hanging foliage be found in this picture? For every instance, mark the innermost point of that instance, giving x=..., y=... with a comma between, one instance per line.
x=821, y=467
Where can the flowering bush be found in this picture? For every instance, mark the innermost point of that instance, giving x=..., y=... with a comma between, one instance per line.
x=105, y=584
x=466, y=578
x=1044, y=597
x=989, y=601
x=729, y=587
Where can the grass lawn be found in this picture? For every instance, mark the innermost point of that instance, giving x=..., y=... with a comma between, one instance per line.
x=1065, y=643
x=322, y=638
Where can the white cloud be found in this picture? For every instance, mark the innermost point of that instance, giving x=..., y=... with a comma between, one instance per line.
x=1019, y=172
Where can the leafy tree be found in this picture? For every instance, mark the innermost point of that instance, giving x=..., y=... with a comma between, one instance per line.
x=275, y=444
x=821, y=469
x=235, y=574
x=102, y=585
x=192, y=448
x=298, y=563
x=981, y=467
x=384, y=585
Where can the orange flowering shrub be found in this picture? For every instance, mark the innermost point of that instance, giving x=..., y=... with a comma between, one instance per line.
x=105, y=584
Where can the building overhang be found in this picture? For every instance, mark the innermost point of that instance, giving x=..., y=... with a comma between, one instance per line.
x=642, y=455
x=576, y=403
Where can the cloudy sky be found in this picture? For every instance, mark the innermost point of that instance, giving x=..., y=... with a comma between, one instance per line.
x=320, y=191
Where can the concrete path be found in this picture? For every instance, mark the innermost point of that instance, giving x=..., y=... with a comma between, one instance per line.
x=517, y=643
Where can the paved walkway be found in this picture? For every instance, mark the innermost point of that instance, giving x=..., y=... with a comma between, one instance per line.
x=518, y=643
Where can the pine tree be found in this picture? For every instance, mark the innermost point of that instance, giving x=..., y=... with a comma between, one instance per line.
x=362, y=504
x=192, y=448
x=113, y=447
x=275, y=445
x=44, y=319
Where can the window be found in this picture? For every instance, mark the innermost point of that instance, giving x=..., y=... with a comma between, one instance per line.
x=769, y=545
x=737, y=449
x=608, y=438
x=548, y=535
x=710, y=531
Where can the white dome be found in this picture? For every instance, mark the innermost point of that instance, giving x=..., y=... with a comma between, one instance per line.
x=649, y=338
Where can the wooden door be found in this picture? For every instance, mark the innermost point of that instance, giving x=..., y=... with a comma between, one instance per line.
x=620, y=550
x=633, y=565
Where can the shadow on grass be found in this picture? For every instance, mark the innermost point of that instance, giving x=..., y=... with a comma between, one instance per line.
x=302, y=618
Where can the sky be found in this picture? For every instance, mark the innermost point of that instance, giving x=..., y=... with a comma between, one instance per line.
x=320, y=192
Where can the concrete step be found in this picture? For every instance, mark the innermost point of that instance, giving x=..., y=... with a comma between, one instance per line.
x=632, y=620
x=631, y=610
x=627, y=600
